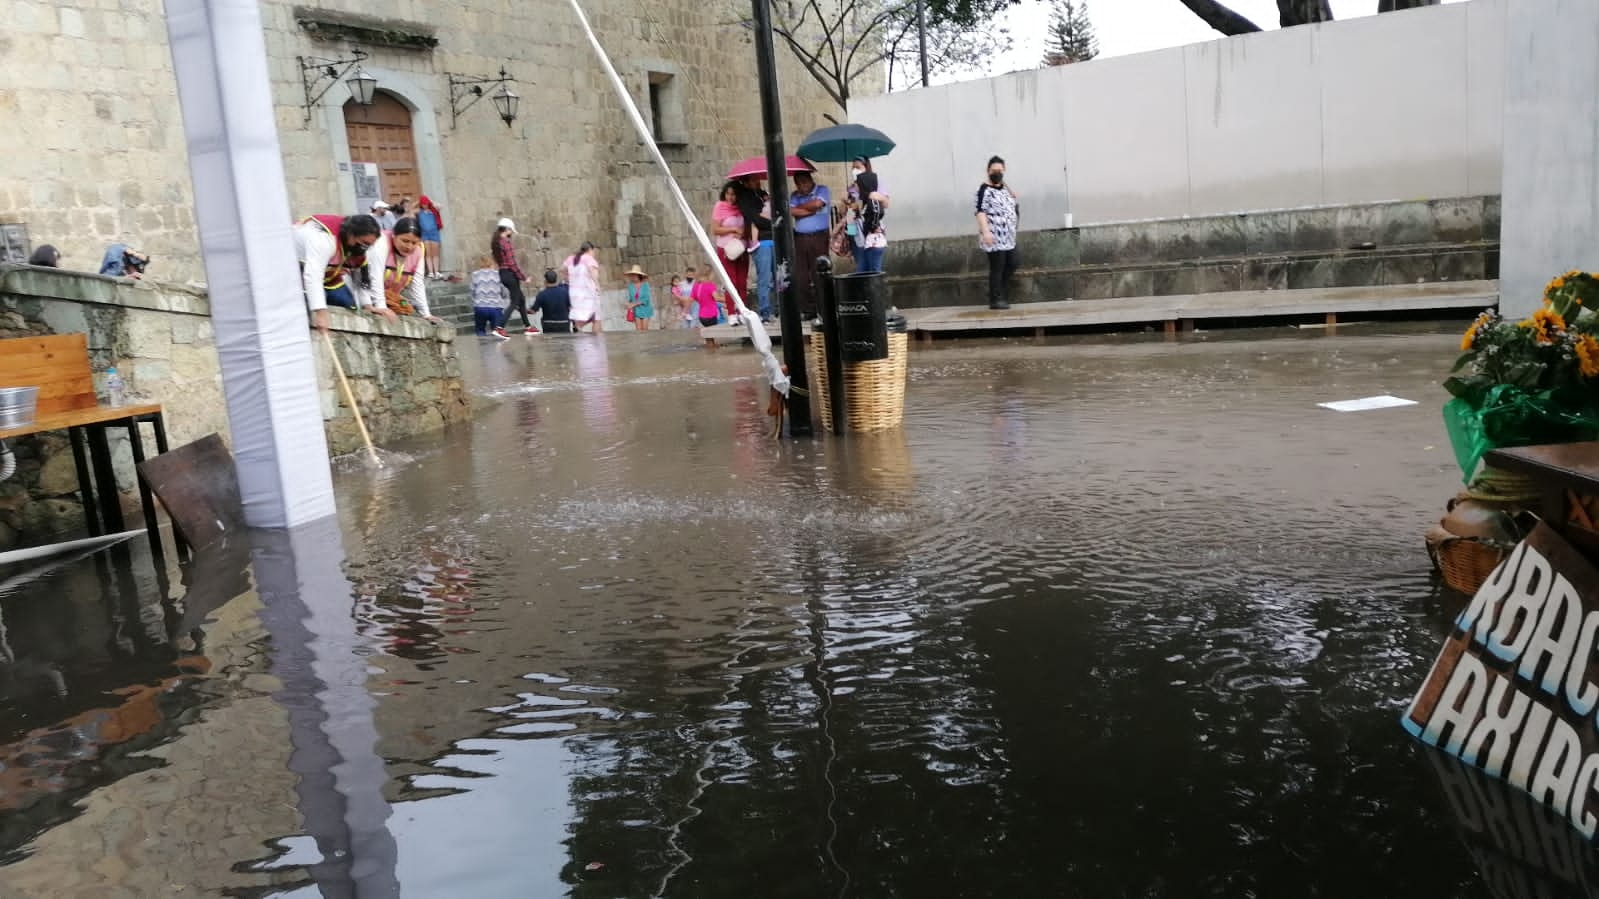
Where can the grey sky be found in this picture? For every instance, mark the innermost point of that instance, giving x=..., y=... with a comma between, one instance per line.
x=1133, y=26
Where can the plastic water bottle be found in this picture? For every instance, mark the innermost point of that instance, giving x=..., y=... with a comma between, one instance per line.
x=115, y=388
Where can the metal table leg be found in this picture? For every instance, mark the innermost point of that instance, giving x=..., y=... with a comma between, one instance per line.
x=85, y=485
x=146, y=498
x=105, y=478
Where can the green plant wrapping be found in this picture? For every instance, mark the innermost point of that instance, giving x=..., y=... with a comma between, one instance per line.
x=1513, y=416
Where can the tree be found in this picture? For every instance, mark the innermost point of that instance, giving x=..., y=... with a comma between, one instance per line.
x=1071, y=34
x=839, y=41
x=950, y=48
x=1289, y=12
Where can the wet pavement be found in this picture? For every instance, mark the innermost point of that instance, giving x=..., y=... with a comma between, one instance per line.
x=1109, y=617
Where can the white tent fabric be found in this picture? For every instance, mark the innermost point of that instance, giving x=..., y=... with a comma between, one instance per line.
x=241, y=207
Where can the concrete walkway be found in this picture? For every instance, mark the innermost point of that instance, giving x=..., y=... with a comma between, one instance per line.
x=1182, y=311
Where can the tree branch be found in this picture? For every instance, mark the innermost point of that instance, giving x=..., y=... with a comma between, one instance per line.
x=1220, y=17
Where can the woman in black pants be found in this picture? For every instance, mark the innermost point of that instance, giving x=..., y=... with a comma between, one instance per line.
x=997, y=215
x=511, y=273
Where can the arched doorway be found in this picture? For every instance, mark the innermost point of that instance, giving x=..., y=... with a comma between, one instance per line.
x=381, y=134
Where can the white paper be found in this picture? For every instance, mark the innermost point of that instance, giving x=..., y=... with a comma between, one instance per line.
x=1367, y=403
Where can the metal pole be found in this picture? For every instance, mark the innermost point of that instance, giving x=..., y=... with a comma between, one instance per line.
x=833, y=348
x=799, y=396
x=921, y=36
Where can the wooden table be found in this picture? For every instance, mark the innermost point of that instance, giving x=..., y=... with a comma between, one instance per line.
x=1568, y=474
x=58, y=365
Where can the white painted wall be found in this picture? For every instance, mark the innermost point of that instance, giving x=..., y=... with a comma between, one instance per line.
x=1399, y=106
x=1551, y=174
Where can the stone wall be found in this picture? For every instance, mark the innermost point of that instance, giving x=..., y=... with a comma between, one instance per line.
x=1348, y=246
x=158, y=336
x=95, y=149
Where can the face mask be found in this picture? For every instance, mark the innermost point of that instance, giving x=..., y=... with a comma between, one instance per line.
x=859, y=172
x=996, y=177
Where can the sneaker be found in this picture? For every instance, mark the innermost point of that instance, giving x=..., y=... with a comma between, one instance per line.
x=500, y=333
x=531, y=331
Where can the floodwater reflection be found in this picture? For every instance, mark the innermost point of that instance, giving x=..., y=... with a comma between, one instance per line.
x=1104, y=619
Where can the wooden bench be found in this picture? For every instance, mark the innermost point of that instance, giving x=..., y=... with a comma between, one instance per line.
x=58, y=365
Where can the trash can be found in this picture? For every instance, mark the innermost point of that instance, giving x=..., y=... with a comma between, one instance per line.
x=862, y=316
x=874, y=389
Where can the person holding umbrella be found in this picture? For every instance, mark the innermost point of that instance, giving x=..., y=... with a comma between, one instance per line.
x=754, y=206
x=857, y=145
x=867, y=204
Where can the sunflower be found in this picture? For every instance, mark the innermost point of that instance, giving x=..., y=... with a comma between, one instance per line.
x=1547, y=323
x=1588, y=356
x=1472, y=333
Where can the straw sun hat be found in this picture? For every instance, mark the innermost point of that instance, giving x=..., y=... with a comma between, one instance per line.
x=635, y=270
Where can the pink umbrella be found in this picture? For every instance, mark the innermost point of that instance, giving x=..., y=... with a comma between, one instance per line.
x=756, y=165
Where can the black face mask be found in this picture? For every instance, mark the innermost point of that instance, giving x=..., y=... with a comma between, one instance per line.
x=996, y=177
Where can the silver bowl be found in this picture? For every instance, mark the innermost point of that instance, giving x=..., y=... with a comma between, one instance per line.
x=17, y=406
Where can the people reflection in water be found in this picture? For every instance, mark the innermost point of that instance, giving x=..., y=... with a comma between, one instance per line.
x=593, y=376
x=408, y=618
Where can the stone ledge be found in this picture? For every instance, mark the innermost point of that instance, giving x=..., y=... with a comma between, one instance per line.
x=407, y=327
x=83, y=287
x=35, y=282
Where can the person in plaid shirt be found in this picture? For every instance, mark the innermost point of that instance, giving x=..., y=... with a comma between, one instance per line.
x=511, y=273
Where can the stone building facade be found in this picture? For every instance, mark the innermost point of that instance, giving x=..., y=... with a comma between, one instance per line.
x=95, y=153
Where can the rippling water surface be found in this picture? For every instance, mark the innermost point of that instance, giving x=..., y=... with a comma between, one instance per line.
x=1113, y=618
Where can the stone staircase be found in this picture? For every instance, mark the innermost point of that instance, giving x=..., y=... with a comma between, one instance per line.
x=451, y=301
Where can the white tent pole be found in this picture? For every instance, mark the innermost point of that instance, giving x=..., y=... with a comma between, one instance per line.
x=241, y=210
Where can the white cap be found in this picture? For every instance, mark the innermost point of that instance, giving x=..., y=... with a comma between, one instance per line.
x=507, y=223
x=380, y=205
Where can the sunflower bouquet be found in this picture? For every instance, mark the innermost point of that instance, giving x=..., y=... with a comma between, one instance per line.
x=1528, y=382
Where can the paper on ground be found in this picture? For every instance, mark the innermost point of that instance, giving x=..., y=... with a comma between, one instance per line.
x=1366, y=403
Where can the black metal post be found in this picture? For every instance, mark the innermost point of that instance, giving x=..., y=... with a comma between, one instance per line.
x=833, y=346
x=799, y=397
x=921, y=36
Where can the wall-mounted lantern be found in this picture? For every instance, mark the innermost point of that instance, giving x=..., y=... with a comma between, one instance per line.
x=465, y=91
x=314, y=70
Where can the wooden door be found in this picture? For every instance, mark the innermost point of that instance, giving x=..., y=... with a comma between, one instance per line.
x=381, y=133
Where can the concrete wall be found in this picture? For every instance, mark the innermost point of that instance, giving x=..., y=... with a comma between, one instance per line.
x=1405, y=242
x=1399, y=106
x=405, y=375
x=1551, y=174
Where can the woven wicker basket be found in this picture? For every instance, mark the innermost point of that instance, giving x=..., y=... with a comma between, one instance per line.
x=1464, y=562
x=874, y=392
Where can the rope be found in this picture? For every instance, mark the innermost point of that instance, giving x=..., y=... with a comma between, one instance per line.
x=1500, y=486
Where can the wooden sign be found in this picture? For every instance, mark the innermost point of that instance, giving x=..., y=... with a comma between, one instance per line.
x=1515, y=692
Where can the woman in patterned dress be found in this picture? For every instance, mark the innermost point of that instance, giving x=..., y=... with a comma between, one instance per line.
x=997, y=215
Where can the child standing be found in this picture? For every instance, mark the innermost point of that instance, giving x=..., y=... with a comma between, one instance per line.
x=640, y=305
x=489, y=299
x=682, y=303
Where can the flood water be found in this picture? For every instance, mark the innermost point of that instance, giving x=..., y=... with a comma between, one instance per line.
x=1110, y=617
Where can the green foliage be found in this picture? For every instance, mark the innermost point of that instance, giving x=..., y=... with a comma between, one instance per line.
x=1071, y=34
x=1532, y=381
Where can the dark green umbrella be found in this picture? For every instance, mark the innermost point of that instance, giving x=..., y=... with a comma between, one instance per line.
x=841, y=143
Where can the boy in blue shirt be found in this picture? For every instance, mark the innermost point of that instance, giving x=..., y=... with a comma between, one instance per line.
x=553, y=306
